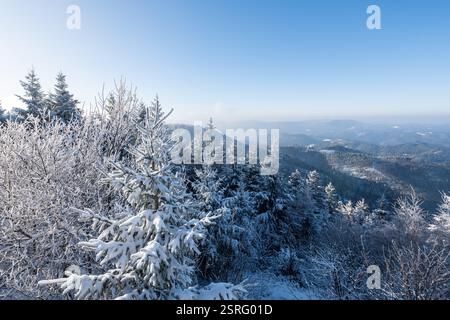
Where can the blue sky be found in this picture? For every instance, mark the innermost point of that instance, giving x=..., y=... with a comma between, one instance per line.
x=238, y=60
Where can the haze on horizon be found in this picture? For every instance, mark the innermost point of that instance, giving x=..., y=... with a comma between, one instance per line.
x=239, y=61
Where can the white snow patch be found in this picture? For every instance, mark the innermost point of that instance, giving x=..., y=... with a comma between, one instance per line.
x=424, y=134
x=267, y=286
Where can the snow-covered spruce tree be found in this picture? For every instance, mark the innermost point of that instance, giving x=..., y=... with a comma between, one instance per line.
x=222, y=256
x=274, y=219
x=332, y=198
x=234, y=234
x=208, y=187
x=295, y=180
x=61, y=103
x=318, y=212
x=262, y=203
x=357, y=214
x=317, y=192
x=34, y=97
x=382, y=214
x=2, y=113
x=117, y=113
x=148, y=250
x=241, y=222
x=299, y=206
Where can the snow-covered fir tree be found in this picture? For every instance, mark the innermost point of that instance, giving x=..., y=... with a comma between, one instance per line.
x=2, y=113
x=220, y=253
x=61, y=103
x=274, y=222
x=237, y=230
x=34, y=97
x=297, y=186
x=148, y=249
x=332, y=198
x=357, y=213
x=300, y=206
x=210, y=124
x=208, y=188
x=316, y=190
x=316, y=195
x=382, y=213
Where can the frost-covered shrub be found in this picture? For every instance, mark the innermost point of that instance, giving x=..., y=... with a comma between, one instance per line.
x=335, y=263
x=440, y=225
x=410, y=217
x=333, y=273
x=414, y=265
x=416, y=272
x=47, y=168
x=44, y=170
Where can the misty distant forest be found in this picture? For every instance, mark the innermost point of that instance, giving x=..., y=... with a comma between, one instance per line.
x=91, y=207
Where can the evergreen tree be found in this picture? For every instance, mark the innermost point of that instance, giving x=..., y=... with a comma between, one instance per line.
x=316, y=195
x=211, y=125
x=297, y=189
x=382, y=213
x=110, y=106
x=208, y=188
x=236, y=230
x=357, y=213
x=224, y=248
x=332, y=199
x=2, y=113
x=34, y=98
x=300, y=206
x=61, y=103
x=274, y=223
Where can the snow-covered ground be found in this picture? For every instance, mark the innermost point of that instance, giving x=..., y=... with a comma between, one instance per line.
x=267, y=286
x=260, y=286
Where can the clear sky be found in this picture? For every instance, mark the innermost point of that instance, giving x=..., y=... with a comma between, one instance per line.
x=238, y=60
